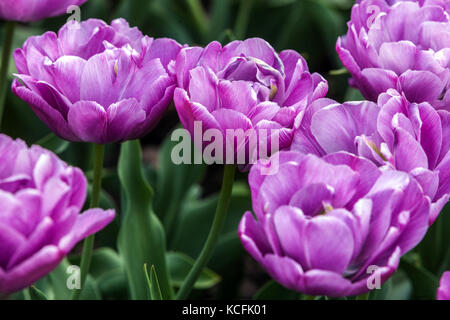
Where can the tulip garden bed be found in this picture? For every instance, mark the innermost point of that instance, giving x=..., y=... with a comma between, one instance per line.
x=224, y=149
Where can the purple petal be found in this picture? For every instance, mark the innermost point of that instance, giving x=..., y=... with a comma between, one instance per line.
x=123, y=120
x=420, y=86
x=88, y=120
x=87, y=224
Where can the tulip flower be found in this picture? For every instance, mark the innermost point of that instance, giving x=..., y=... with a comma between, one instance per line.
x=394, y=134
x=95, y=82
x=33, y=10
x=40, y=222
x=334, y=226
x=245, y=85
x=443, y=292
x=403, y=46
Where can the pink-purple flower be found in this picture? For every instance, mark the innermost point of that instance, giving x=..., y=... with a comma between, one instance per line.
x=32, y=10
x=329, y=226
x=443, y=292
x=244, y=85
x=96, y=82
x=404, y=46
x=394, y=134
x=41, y=198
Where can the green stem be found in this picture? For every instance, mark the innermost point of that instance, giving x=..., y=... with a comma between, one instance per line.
x=6, y=56
x=213, y=237
x=240, y=27
x=88, y=245
x=26, y=294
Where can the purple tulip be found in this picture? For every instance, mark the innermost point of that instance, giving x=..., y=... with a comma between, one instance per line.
x=333, y=225
x=244, y=85
x=442, y=3
x=403, y=46
x=41, y=198
x=443, y=292
x=33, y=10
x=394, y=134
x=95, y=82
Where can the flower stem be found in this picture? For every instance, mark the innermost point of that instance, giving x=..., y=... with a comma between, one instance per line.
x=6, y=56
x=88, y=245
x=213, y=237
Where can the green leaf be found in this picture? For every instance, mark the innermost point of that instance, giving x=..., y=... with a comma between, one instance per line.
x=141, y=236
x=53, y=143
x=54, y=285
x=37, y=294
x=274, y=291
x=221, y=15
x=353, y=94
x=108, y=271
x=195, y=219
x=180, y=264
x=434, y=249
x=398, y=287
x=173, y=182
x=153, y=283
x=425, y=284
x=113, y=285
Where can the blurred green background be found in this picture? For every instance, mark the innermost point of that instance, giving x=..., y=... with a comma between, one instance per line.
x=185, y=196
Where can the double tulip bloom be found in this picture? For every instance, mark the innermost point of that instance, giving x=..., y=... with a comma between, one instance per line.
x=41, y=198
x=245, y=85
x=404, y=46
x=33, y=10
x=329, y=226
x=444, y=288
x=96, y=82
x=394, y=133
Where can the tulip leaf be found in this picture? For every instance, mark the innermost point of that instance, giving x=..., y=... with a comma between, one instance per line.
x=53, y=143
x=141, y=236
x=108, y=271
x=173, y=182
x=37, y=294
x=434, y=249
x=153, y=283
x=274, y=291
x=180, y=264
x=221, y=15
x=424, y=283
x=192, y=229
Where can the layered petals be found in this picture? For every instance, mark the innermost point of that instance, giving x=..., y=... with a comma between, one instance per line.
x=96, y=82
x=394, y=134
x=322, y=223
x=244, y=87
x=401, y=45
x=40, y=220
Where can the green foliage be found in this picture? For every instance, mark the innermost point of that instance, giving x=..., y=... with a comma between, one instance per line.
x=274, y=291
x=153, y=283
x=179, y=266
x=141, y=237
